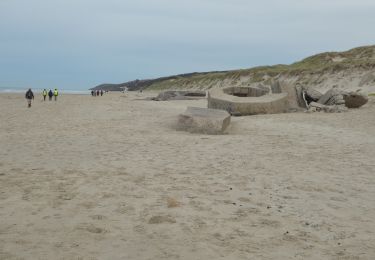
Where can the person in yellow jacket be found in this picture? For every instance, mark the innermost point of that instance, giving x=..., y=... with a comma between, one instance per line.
x=55, y=94
x=44, y=94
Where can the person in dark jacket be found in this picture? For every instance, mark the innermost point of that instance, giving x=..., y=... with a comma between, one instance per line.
x=50, y=95
x=29, y=96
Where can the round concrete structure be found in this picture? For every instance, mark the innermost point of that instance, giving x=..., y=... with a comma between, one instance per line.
x=247, y=101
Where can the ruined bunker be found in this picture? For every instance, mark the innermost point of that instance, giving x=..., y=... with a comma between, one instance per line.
x=240, y=101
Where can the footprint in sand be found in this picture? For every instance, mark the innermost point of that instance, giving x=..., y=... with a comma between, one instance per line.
x=270, y=223
x=161, y=219
x=98, y=217
x=140, y=229
x=92, y=228
x=125, y=209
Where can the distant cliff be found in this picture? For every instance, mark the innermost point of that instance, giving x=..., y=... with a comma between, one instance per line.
x=146, y=83
x=350, y=69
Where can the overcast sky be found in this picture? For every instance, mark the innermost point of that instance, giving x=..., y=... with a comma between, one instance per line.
x=77, y=44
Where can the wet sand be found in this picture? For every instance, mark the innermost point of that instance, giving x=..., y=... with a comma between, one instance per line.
x=110, y=178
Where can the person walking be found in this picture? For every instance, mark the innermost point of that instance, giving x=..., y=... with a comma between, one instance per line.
x=50, y=95
x=101, y=92
x=29, y=96
x=97, y=93
x=44, y=94
x=55, y=94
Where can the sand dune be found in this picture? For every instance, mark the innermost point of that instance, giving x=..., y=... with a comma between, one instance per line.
x=110, y=178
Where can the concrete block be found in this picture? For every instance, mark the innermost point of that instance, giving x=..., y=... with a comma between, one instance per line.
x=203, y=120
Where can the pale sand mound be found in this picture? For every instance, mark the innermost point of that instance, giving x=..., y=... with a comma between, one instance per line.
x=95, y=177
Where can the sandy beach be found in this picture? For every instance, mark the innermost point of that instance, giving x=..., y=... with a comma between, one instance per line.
x=110, y=178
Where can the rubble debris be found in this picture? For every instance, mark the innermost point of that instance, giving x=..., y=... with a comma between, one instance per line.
x=333, y=101
x=317, y=107
x=333, y=96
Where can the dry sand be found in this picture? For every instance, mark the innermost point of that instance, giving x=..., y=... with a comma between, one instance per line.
x=110, y=178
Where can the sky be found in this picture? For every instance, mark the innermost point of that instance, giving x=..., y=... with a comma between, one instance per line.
x=78, y=44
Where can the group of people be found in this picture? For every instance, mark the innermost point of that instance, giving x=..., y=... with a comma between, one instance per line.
x=96, y=93
x=30, y=95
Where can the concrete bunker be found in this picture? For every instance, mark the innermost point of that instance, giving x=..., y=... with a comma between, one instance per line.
x=246, y=91
x=239, y=101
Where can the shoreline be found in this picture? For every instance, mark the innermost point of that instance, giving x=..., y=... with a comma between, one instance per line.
x=22, y=91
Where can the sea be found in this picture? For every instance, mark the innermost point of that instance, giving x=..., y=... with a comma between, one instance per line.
x=61, y=91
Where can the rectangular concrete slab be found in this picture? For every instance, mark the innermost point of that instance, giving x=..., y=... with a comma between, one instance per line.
x=204, y=120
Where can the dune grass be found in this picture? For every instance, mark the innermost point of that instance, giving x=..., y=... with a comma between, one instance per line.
x=329, y=62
